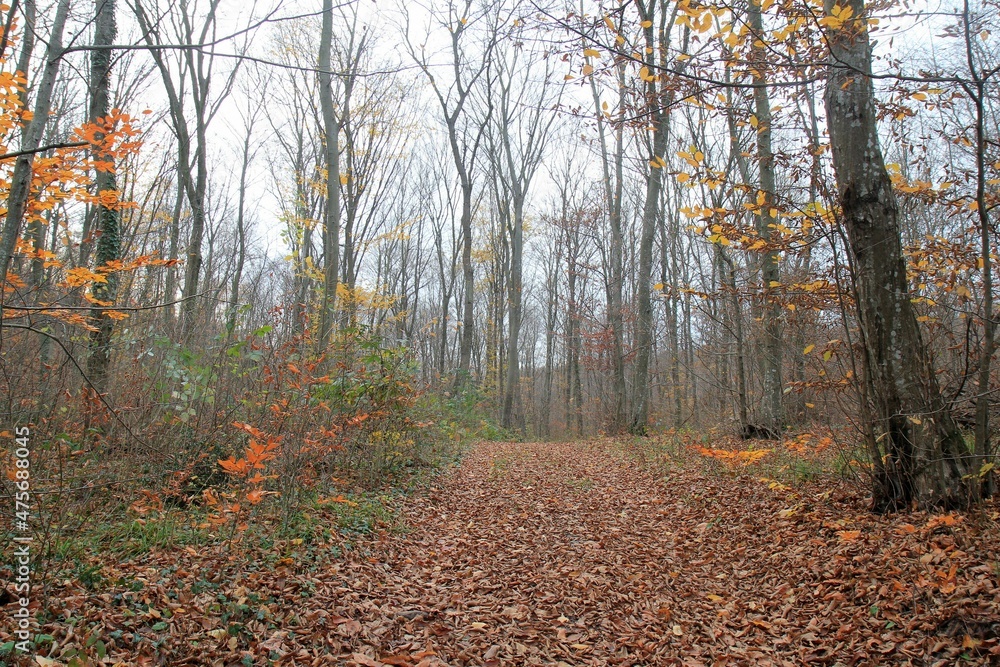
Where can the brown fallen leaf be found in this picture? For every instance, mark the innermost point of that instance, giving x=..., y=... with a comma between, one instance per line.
x=364, y=660
x=396, y=660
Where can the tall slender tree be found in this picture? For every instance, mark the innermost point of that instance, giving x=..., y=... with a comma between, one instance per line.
x=331, y=154
x=108, y=216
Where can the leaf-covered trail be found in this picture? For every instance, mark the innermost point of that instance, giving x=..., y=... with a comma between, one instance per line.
x=564, y=554
x=540, y=553
x=575, y=553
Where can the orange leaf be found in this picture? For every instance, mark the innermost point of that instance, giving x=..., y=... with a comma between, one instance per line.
x=234, y=467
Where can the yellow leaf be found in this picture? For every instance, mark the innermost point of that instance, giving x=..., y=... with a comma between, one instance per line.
x=646, y=24
x=715, y=598
x=81, y=275
x=588, y=69
x=809, y=348
x=591, y=53
x=683, y=178
x=658, y=287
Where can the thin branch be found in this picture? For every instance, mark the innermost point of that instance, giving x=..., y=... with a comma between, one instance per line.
x=131, y=309
x=86, y=379
x=42, y=149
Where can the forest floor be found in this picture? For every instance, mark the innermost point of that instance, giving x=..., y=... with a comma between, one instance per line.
x=570, y=554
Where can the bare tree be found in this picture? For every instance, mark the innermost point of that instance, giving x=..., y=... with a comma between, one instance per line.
x=193, y=76
x=465, y=130
x=522, y=122
x=331, y=153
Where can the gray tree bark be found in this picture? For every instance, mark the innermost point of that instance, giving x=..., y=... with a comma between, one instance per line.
x=772, y=412
x=926, y=459
x=331, y=147
x=108, y=219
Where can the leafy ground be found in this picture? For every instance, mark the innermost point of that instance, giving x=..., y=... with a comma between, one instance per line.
x=565, y=554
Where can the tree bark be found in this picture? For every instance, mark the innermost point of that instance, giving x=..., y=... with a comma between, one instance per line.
x=108, y=218
x=977, y=91
x=772, y=413
x=658, y=97
x=331, y=146
x=613, y=183
x=926, y=457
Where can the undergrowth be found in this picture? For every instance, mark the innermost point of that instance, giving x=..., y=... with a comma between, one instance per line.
x=796, y=459
x=307, y=453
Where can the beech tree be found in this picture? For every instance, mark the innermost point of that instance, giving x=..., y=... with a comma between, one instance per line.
x=20, y=181
x=518, y=134
x=926, y=458
x=468, y=64
x=331, y=155
x=107, y=212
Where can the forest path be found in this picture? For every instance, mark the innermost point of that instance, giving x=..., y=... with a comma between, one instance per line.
x=564, y=554
x=576, y=554
x=538, y=553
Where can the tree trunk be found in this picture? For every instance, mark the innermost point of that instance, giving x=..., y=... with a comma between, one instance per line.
x=108, y=219
x=331, y=146
x=926, y=458
x=173, y=248
x=978, y=94
x=511, y=396
x=468, y=278
x=613, y=184
x=772, y=413
x=20, y=180
x=657, y=101
x=241, y=240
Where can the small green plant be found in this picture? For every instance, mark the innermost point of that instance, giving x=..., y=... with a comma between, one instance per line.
x=139, y=536
x=498, y=466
